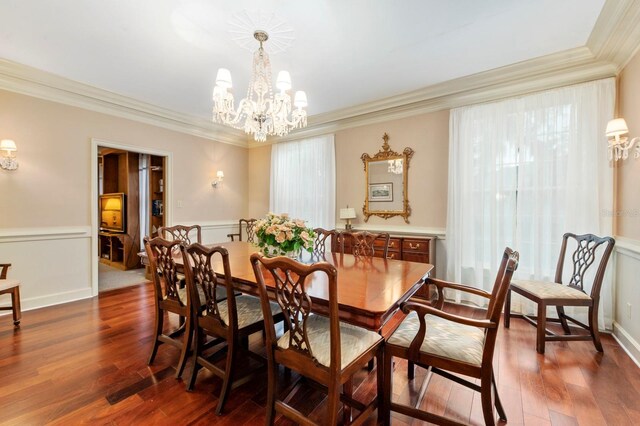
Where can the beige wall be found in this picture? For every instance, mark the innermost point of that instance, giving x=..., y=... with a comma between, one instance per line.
x=628, y=195
x=52, y=185
x=426, y=134
x=259, y=181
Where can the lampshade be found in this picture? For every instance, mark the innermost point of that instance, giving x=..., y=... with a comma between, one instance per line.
x=223, y=78
x=283, y=82
x=113, y=204
x=8, y=145
x=219, y=174
x=300, y=99
x=348, y=213
x=617, y=127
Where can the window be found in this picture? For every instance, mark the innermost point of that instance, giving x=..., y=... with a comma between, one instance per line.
x=303, y=180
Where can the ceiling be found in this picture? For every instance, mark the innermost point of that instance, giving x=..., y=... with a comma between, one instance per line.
x=343, y=53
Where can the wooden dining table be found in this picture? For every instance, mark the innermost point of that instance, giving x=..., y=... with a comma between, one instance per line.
x=370, y=290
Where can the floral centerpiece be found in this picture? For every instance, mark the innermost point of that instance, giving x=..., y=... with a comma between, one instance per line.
x=278, y=235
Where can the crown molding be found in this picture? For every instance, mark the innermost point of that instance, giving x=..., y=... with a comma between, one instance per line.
x=616, y=35
x=30, y=81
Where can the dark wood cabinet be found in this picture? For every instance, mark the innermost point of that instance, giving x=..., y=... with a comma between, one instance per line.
x=156, y=194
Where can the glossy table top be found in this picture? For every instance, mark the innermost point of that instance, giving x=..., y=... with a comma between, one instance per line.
x=370, y=290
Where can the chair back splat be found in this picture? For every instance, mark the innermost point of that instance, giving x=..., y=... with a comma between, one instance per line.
x=247, y=225
x=185, y=234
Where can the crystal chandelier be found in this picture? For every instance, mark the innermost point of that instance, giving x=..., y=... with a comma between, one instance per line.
x=262, y=112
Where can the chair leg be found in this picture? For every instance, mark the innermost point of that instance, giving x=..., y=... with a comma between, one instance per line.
x=593, y=326
x=195, y=366
x=411, y=370
x=186, y=348
x=507, y=309
x=333, y=401
x=158, y=326
x=563, y=320
x=501, y=413
x=380, y=383
x=347, y=390
x=486, y=388
x=15, y=303
x=542, y=325
x=228, y=375
x=271, y=390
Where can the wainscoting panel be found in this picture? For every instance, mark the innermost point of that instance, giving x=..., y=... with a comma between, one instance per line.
x=216, y=232
x=626, y=326
x=53, y=264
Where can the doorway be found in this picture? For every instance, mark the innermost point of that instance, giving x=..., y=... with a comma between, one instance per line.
x=131, y=191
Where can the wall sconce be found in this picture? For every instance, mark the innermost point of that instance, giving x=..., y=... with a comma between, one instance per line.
x=348, y=214
x=7, y=157
x=619, y=145
x=219, y=178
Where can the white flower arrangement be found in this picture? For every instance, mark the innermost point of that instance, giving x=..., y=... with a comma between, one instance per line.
x=280, y=235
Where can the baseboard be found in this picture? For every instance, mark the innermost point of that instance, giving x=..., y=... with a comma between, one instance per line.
x=627, y=342
x=53, y=299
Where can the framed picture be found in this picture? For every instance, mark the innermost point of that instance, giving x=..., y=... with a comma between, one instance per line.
x=381, y=191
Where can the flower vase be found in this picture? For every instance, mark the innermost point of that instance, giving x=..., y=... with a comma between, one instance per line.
x=273, y=251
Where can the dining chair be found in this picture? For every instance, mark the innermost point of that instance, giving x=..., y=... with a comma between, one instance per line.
x=10, y=286
x=451, y=345
x=572, y=293
x=185, y=234
x=365, y=243
x=228, y=321
x=248, y=229
x=320, y=348
x=169, y=297
x=323, y=237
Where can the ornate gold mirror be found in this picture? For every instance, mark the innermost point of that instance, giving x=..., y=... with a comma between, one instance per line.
x=386, y=183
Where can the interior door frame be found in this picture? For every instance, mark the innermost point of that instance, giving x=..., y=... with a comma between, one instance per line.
x=168, y=189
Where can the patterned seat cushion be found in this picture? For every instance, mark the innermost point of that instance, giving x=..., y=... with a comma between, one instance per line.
x=547, y=290
x=354, y=341
x=7, y=284
x=248, y=308
x=444, y=338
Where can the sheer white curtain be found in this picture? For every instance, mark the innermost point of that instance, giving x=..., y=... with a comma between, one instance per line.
x=303, y=180
x=522, y=172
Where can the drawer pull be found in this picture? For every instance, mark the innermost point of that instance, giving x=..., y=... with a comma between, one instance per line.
x=412, y=247
x=392, y=244
x=391, y=256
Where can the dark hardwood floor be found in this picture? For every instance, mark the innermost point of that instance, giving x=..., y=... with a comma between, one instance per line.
x=85, y=362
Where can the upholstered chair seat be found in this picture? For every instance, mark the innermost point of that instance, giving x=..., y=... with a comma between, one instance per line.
x=444, y=338
x=354, y=340
x=549, y=290
x=249, y=310
x=7, y=284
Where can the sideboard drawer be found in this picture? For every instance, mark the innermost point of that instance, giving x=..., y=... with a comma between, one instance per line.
x=416, y=257
x=415, y=246
x=394, y=243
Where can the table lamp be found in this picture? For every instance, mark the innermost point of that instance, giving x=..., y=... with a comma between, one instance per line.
x=348, y=214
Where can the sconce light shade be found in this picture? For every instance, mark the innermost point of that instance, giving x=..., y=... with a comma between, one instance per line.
x=617, y=127
x=7, y=157
x=619, y=144
x=8, y=145
x=219, y=178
